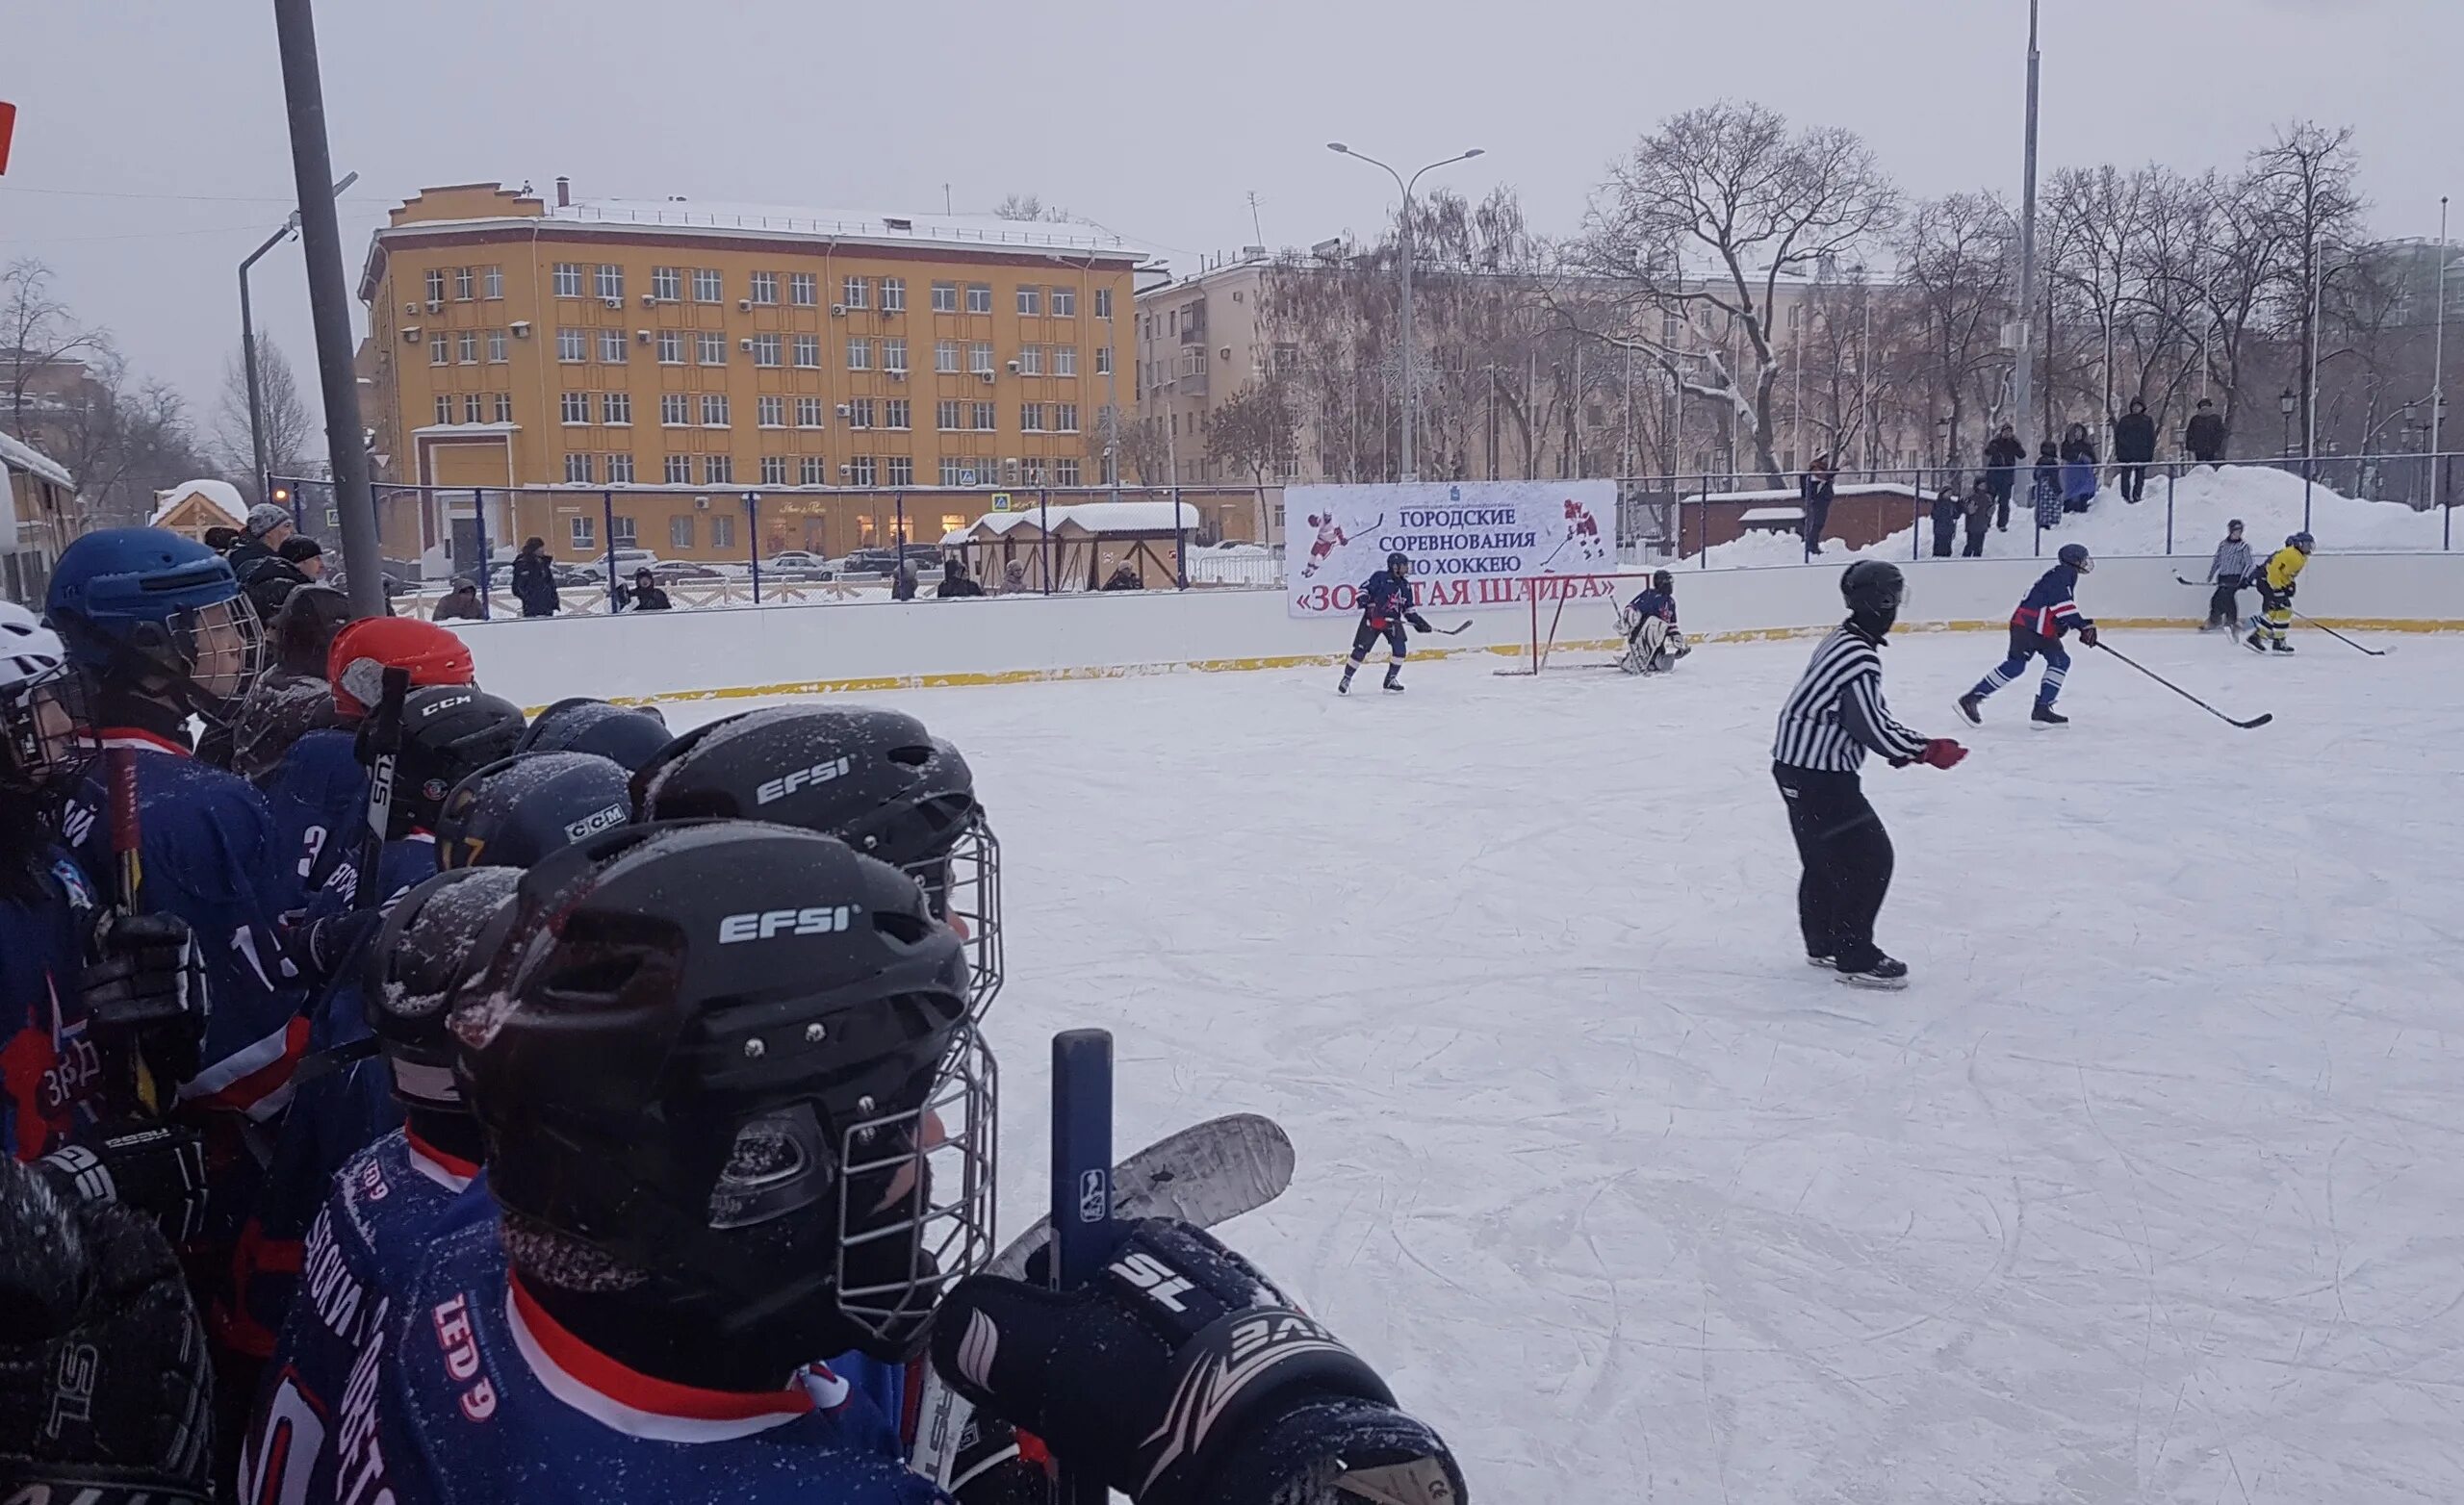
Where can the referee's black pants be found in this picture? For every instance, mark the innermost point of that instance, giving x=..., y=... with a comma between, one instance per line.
x=1847, y=859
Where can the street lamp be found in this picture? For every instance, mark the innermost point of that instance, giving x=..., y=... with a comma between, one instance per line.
x=249, y=339
x=2286, y=402
x=1410, y=381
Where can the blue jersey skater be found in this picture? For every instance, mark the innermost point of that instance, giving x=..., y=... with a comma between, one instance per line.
x=2036, y=627
x=1387, y=601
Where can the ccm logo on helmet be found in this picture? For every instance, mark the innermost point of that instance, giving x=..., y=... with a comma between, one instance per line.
x=425, y=711
x=819, y=774
x=607, y=819
x=763, y=923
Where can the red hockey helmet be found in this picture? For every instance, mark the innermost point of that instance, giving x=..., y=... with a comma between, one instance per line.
x=355, y=665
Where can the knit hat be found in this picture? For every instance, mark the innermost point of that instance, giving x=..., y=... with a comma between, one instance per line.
x=298, y=546
x=265, y=517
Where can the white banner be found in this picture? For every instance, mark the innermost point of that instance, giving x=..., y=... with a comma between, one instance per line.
x=1469, y=541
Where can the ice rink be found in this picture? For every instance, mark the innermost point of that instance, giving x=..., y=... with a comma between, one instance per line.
x=2151, y=1187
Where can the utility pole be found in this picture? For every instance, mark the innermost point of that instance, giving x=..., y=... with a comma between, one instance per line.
x=1411, y=381
x=329, y=305
x=2438, y=369
x=2023, y=371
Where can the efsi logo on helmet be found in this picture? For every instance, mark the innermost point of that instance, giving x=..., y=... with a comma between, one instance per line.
x=764, y=924
x=819, y=774
x=607, y=819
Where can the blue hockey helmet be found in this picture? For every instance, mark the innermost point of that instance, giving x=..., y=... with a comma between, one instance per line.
x=626, y=734
x=146, y=604
x=2076, y=557
x=2302, y=541
x=518, y=809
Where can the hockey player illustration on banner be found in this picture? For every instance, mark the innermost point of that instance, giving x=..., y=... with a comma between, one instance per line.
x=2036, y=627
x=2276, y=582
x=1583, y=530
x=1330, y=537
x=1387, y=601
x=1653, y=642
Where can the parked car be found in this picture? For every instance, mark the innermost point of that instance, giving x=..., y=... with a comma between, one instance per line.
x=883, y=561
x=797, y=564
x=673, y=570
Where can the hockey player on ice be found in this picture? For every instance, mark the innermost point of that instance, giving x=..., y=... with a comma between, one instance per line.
x=1653, y=642
x=2276, y=582
x=1387, y=601
x=2036, y=626
x=1329, y=538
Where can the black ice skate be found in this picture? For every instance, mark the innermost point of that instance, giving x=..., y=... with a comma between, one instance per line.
x=1886, y=975
x=1971, y=706
x=1393, y=683
x=2281, y=645
x=1826, y=963
x=2046, y=716
x=2255, y=643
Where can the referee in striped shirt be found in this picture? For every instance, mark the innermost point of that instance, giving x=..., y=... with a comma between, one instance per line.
x=1832, y=720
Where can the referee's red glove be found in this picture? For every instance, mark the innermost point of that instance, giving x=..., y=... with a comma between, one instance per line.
x=1942, y=752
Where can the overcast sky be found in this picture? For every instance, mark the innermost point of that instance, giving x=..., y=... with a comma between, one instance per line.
x=152, y=154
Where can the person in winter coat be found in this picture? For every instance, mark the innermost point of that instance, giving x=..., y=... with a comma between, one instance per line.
x=534, y=579
x=901, y=584
x=2047, y=492
x=1124, y=578
x=2229, y=570
x=1946, y=521
x=1013, y=577
x=644, y=596
x=2205, y=435
x=291, y=698
x=2078, y=469
x=1821, y=480
x=2134, y=450
x=461, y=604
x=2002, y=458
x=1982, y=500
x=956, y=581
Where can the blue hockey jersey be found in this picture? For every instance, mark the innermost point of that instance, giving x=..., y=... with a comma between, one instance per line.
x=465, y=1390
x=51, y=1077
x=318, y=796
x=2048, y=611
x=1385, y=600
x=1655, y=603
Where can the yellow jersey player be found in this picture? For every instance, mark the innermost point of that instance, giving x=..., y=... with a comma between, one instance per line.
x=2276, y=583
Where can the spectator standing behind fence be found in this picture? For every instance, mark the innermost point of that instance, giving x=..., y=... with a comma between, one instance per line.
x=2046, y=492
x=645, y=595
x=2205, y=435
x=1124, y=578
x=1013, y=577
x=1981, y=502
x=1946, y=521
x=956, y=581
x=2078, y=469
x=461, y=604
x=2003, y=456
x=534, y=579
x=1821, y=482
x=2134, y=450
x=902, y=581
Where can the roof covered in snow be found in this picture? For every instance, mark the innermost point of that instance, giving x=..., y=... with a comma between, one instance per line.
x=1101, y=518
x=223, y=496
x=19, y=455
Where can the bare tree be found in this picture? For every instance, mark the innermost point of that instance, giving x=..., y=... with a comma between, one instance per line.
x=1146, y=452
x=37, y=330
x=291, y=433
x=1732, y=189
x=2304, y=183
x=1029, y=206
x=1957, y=255
x=1253, y=431
x=124, y=440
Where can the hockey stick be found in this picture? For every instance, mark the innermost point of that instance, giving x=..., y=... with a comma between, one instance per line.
x=1449, y=632
x=1082, y=1193
x=385, y=747
x=2260, y=720
x=2374, y=652
x=120, y=769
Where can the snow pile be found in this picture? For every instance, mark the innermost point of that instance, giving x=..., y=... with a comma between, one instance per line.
x=15, y=455
x=2267, y=501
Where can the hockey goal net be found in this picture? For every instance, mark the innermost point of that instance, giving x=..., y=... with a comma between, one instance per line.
x=1573, y=619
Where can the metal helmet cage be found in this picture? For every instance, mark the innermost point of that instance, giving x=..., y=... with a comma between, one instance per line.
x=47, y=737
x=938, y=1161
x=965, y=889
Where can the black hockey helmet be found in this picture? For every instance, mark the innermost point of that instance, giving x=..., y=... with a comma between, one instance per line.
x=727, y=1058
x=624, y=734
x=1399, y=562
x=1873, y=591
x=427, y=945
x=518, y=809
x=2077, y=557
x=448, y=732
x=1663, y=581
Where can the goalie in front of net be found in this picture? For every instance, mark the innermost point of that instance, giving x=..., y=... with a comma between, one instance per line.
x=1387, y=601
x=1649, y=622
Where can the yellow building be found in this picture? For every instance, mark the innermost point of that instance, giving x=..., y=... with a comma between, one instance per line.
x=682, y=354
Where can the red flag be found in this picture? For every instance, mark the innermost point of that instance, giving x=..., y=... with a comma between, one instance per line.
x=8, y=124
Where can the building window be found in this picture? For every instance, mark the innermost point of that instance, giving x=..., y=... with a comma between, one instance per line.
x=1065, y=302
x=680, y=532
x=765, y=287
x=611, y=346
x=1065, y=472
x=583, y=532
x=947, y=414
x=462, y=284
x=945, y=298
x=574, y=407
x=804, y=289
x=981, y=418
x=859, y=355
x=707, y=288
x=893, y=295
x=568, y=279
x=770, y=411
x=496, y=348
x=440, y=349
x=902, y=470
x=723, y=530
x=1030, y=302
x=578, y=467
x=859, y=412
x=714, y=410
x=677, y=470
x=1064, y=418
x=611, y=282
x=504, y=407
x=945, y=356
x=710, y=347
x=856, y=293
x=616, y=407
x=862, y=472
x=466, y=346
x=765, y=350
x=444, y=408
x=1030, y=359
x=620, y=532
x=808, y=349
x=667, y=285
x=671, y=347
x=774, y=470
x=812, y=471
x=1065, y=360
x=956, y=471
x=572, y=345
x=979, y=298
x=675, y=409
x=492, y=282
x=979, y=358
x=436, y=284
x=471, y=406
x=620, y=469
x=896, y=413
x=809, y=412
x=893, y=355
x=1031, y=472
x=1031, y=418
x=718, y=470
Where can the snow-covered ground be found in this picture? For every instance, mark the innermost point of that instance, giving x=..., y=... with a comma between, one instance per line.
x=2150, y=1189
x=2269, y=501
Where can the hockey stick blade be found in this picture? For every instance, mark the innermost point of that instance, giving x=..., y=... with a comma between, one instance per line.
x=1206, y=1175
x=2260, y=720
x=1454, y=632
x=2374, y=652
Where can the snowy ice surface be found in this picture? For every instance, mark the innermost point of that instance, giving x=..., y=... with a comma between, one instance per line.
x=2151, y=1187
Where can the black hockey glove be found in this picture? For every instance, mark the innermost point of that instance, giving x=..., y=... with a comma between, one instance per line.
x=2088, y=634
x=157, y=1170
x=104, y=1383
x=324, y=946
x=1183, y=1377
x=144, y=990
x=1420, y=623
